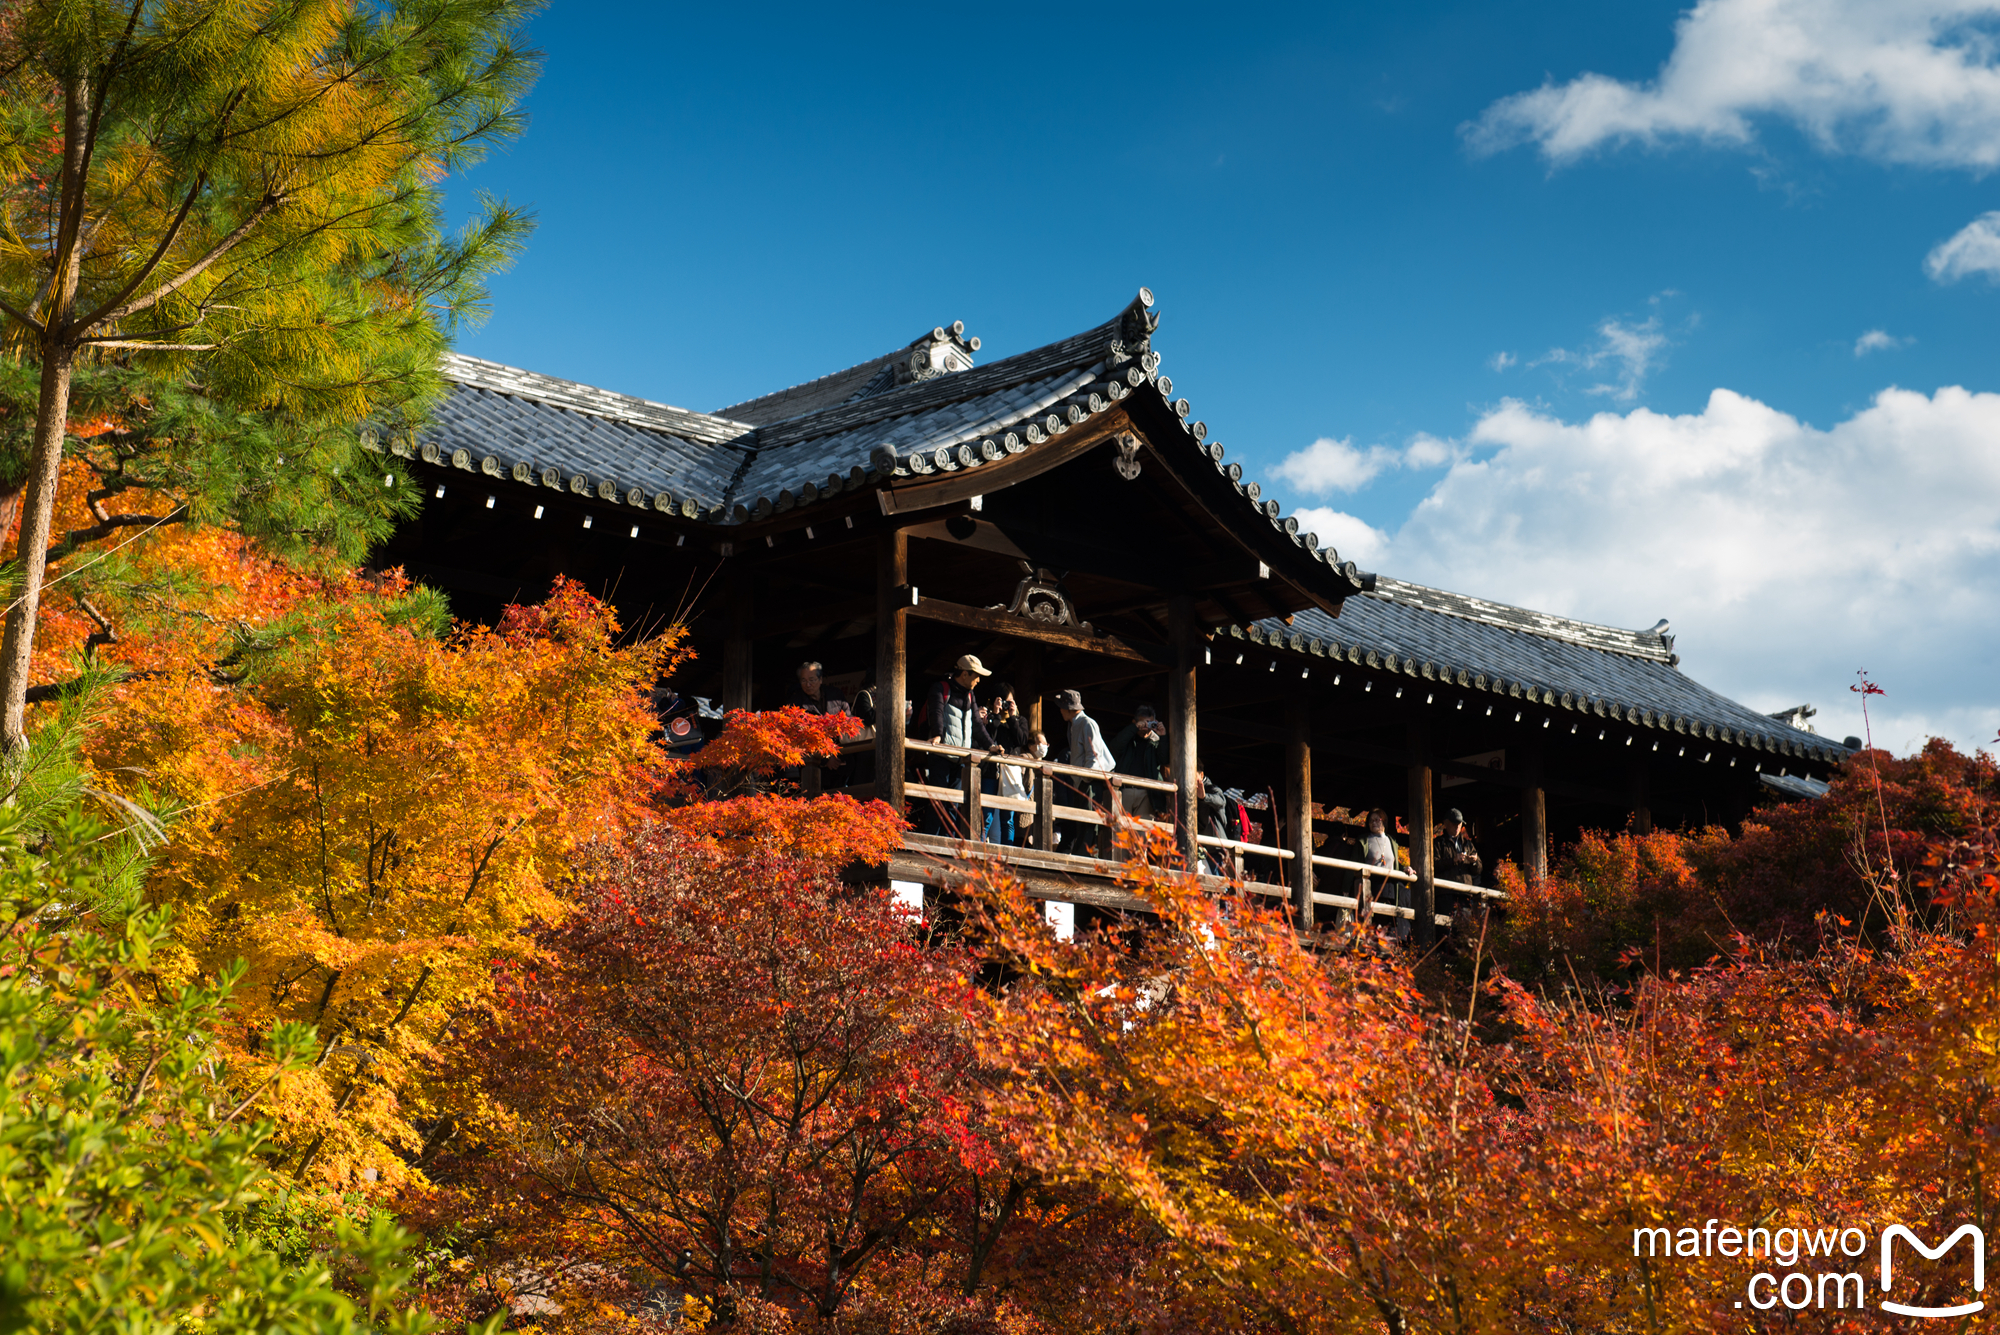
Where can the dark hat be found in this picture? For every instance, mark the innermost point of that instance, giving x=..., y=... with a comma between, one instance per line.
x=1454, y=817
x=1070, y=700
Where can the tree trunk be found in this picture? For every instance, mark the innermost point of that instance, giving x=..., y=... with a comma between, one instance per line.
x=58, y=349
x=44, y=467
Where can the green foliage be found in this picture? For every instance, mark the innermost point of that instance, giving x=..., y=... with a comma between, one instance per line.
x=157, y=443
x=127, y=1183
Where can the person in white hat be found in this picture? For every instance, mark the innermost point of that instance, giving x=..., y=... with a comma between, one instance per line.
x=950, y=717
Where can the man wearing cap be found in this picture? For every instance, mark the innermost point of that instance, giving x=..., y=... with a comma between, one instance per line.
x=1457, y=859
x=951, y=717
x=1087, y=751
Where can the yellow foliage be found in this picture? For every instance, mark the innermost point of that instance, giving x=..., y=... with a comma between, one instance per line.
x=370, y=826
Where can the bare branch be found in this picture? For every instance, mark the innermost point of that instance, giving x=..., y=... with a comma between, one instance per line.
x=27, y=320
x=264, y=209
x=151, y=347
x=75, y=538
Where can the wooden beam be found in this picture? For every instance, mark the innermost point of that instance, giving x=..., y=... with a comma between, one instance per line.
x=1534, y=820
x=1298, y=805
x=924, y=494
x=822, y=612
x=1185, y=634
x=892, y=578
x=1421, y=846
x=737, y=667
x=1069, y=637
x=1642, y=797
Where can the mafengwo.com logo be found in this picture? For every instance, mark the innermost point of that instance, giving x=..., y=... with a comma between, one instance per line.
x=1811, y=1267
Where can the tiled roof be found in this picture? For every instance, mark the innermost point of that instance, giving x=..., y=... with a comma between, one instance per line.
x=875, y=376
x=859, y=427
x=1630, y=676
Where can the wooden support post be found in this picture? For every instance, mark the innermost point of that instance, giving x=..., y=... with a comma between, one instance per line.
x=1534, y=820
x=975, y=809
x=737, y=668
x=1642, y=797
x=1184, y=635
x=892, y=577
x=1045, y=808
x=1028, y=688
x=1299, y=806
x=1424, y=892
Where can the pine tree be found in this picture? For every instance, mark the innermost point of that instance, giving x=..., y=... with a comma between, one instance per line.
x=250, y=192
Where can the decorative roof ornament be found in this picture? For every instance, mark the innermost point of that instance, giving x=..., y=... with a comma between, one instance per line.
x=1126, y=462
x=1039, y=597
x=945, y=351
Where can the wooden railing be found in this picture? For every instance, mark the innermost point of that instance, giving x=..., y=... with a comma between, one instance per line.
x=1042, y=777
x=1043, y=805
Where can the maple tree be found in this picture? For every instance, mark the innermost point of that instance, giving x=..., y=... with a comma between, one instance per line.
x=1675, y=899
x=368, y=818
x=128, y=1171
x=764, y=1072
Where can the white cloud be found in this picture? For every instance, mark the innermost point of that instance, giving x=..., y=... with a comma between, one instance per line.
x=1876, y=340
x=1786, y=556
x=1354, y=539
x=1911, y=81
x=1975, y=248
x=1633, y=349
x=1427, y=451
x=1500, y=361
x=1334, y=465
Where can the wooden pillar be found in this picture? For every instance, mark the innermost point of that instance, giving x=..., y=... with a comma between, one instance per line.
x=1299, y=805
x=737, y=668
x=1028, y=687
x=1424, y=896
x=1534, y=820
x=1642, y=797
x=1185, y=636
x=1045, y=808
x=892, y=579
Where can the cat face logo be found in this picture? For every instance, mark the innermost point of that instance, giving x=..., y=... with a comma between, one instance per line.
x=1895, y=1231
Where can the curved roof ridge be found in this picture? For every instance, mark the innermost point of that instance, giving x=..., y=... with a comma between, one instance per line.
x=1078, y=350
x=841, y=386
x=706, y=428
x=1656, y=644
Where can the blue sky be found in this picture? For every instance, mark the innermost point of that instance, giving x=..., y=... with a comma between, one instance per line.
x=1461, y=280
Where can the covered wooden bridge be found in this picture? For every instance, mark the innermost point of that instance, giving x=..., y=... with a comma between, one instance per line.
x=1062, y=514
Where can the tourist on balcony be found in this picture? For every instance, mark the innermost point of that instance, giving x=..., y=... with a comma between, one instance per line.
x=1007, y=727
x=1457, y=860
x=815, y=696
x=1379, y=850
x=1087, y=751
x=951, y=717
x=1141, y=751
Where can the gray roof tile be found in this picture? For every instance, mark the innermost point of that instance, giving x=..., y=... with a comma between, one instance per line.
x=1628, y=675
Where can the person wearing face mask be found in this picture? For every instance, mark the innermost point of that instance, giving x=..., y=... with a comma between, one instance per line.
x=1009, y=730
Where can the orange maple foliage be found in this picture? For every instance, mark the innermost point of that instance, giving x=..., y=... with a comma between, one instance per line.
x=369, y=818
x=734, y=812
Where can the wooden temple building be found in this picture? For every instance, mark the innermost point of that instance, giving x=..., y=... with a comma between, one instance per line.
x=1064, y=515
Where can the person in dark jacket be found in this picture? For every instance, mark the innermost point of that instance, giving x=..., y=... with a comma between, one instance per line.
x=1009, y=730
x=1457, y=860
x=951, y=717
x=1140, y=748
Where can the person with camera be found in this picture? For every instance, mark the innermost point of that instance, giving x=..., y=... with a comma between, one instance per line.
x=1141, y=751
x=1009, y=729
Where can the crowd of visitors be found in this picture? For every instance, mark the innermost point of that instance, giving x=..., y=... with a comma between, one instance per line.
x=971, y=710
